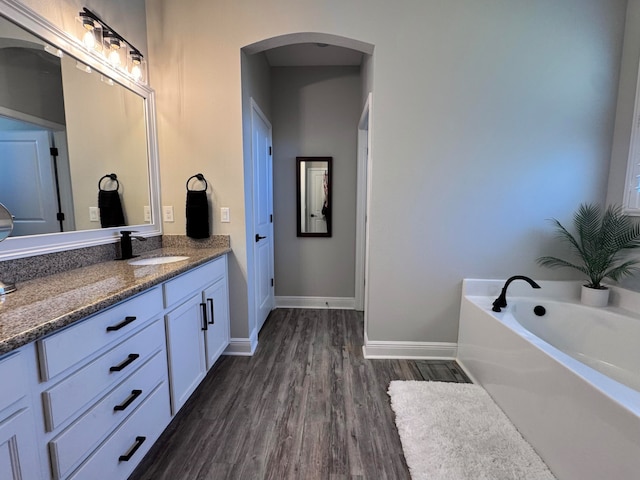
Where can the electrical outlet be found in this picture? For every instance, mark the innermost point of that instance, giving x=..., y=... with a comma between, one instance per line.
x=224, y=215
x=94, y=214
x=167, y=213
x=147, y=213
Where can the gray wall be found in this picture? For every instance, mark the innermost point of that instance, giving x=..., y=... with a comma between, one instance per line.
x=315, y=113
x=489, y=117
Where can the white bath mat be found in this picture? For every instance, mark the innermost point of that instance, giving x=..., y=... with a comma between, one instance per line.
x=455, y=431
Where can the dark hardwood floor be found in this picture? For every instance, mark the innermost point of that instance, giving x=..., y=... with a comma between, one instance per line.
x=306, y=406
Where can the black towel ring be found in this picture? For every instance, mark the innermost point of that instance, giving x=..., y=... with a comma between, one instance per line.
x=111, y=176
x=200, y=177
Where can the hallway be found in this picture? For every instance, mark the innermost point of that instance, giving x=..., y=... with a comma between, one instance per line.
x=307, y=405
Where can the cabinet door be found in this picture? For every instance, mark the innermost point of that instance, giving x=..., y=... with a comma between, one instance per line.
x=217, y=333
x=18, y=457
x=187, y=366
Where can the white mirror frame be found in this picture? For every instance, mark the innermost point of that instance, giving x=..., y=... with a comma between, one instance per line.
x=27, y=246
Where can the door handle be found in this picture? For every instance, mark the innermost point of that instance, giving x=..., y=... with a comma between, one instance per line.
x=210, y=302
x=258, y=237
x=204, y=316
x=130, y=358
x=124, y=323
x=127, y=456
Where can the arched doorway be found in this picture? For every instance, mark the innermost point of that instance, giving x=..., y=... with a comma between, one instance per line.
x=303, y=49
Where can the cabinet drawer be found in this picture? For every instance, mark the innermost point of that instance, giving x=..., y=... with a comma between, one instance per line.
x=70, y=346
x=13, y=373
x=186, y=284
x=118, y=456
x=69, y=396
x=68, y=448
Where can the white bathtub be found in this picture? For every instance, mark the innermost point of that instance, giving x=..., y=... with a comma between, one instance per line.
x=569, y=380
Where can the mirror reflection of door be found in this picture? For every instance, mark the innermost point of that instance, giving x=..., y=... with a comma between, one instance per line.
x=314, y=196
x=316, y=221
x=31, y=178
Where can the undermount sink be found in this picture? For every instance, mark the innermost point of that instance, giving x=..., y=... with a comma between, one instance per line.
x=158, y=260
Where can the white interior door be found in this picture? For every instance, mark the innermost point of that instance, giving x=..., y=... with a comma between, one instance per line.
x=262, y=214
x=25, y=159
x=316, y=223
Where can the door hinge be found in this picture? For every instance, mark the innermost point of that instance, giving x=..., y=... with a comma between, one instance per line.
x=270, y=150
x=60, y=216
x=53, y=151
x=272, y=282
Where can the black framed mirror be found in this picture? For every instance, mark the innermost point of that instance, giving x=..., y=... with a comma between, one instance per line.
x=313, y=196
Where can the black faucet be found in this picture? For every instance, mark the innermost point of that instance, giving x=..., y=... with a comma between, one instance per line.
x=501, y=301
x=126, y=250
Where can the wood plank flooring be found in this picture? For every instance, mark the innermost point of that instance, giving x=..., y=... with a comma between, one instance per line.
x=306, y=406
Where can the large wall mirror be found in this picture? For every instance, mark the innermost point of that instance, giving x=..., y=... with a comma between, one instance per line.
x=67, y=120
x=314, y=203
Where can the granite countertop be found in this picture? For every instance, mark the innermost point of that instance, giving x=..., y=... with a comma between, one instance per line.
x=44, y=305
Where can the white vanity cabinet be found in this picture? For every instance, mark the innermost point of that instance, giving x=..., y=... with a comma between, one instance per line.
x=105, y=392
x=18, y=451
x=197, y=325
x=89, y=400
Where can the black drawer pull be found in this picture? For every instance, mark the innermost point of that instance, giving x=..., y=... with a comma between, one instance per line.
x=128, y=361
x=204, y=316
x=123, y=406
x=132, y=450
x=124, y=323
x=212, y=321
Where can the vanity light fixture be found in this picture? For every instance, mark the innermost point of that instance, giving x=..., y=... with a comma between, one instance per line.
x=97, y=36
x=90, y=32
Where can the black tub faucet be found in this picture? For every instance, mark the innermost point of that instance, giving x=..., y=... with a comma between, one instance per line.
x=126, y=249
x=501, y=301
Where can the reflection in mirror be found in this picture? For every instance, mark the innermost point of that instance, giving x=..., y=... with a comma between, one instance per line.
x=106, y=125
x=6, y=222
x=6, y=225
x=64, y=125
x=313, y=197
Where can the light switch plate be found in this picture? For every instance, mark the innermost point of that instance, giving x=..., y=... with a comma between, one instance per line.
x=224, y=215
x=94, y=214
x=147, y=213
x=167, y=213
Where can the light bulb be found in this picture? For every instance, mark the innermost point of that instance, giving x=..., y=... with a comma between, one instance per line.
x=89, y=40
x=114, y=58
x=136, y=72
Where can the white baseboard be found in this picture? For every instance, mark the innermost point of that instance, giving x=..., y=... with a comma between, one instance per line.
x=342, y=303
x=410, y=350
x=243, y=347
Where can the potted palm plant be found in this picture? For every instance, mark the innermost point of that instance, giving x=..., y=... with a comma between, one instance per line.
x=600, y=245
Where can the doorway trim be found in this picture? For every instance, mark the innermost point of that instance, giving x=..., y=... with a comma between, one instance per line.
x=363, y=182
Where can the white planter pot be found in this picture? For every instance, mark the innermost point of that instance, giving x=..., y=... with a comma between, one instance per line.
x=594, y=297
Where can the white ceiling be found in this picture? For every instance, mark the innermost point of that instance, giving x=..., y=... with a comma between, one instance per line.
x=312, y=54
